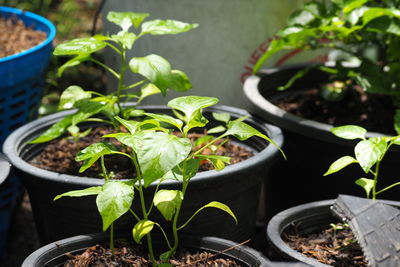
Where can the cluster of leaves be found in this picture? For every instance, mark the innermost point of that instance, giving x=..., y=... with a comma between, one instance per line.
x=369, y=153
x=159, y=154
x=354, y=27
x=156, y=73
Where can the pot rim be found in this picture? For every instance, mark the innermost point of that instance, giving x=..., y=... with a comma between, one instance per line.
x=12, y=144
x=213, y=244
x=258, y=104
x=35, y=17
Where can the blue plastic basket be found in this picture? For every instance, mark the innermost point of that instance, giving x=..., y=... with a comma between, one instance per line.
x=22, y=75
x=21, y=86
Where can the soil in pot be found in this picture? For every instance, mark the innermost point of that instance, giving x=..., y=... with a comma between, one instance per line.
x=372, y=111
x=15, y=37
x=125, y=255
x=59, y=155
x=336, y=247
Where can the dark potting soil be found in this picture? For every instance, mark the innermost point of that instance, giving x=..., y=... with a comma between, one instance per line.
x=337, y=248
x=372, y=111
x=15, y=37
x=59, y=155
x=127, y=256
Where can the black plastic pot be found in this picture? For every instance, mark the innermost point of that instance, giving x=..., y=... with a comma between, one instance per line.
x=53, y=254
x=309, y=145
x=305, y=219
x=238, y=186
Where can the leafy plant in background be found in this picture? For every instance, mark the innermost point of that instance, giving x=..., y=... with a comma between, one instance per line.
x=157, y=74
x=159, y=154
x=367, y=31
x=369, y=153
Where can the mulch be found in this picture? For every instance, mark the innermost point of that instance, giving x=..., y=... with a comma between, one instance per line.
x=15, y=37
x=332, y=247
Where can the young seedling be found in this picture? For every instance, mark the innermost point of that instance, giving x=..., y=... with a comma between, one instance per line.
x=159, y=154
x=369, y=153
x=156, y=73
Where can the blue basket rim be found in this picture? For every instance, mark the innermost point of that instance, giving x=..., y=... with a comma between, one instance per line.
x=50, y=37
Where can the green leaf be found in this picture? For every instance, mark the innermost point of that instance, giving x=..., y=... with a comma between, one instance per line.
x=72, y=63
x=148, y=90
x=54, y=131
x=114, y=200
x=167, y=202
x=368, y=152
x=192, y=106
x=353, y=5
x=221, y=206
x=349, y=132
x=141, y=229
x=217, y=161
x=192, y=167
x=86, y=111
x=218, y=129
x=161, y=27
x=224, y=117
x=95, y=190
x=301, y=17
x=155, y=68
x=397, y=121
x=126, y=19
x=179, y=81
x=367, y=184
x=203, y=140
x=130, y=125
x=158, y=153
x=340, y=164
x=166, y=118
x=79, y=46
x=93, y=152
x=72, y=95
x=127, y=39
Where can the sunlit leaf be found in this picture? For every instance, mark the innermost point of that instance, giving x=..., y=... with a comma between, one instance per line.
x=72, y=95
x=126, y=19
x=367, y=184
x=349, y=132
x=141, y=229
x=368, y=152
x=95, y=190
x=167, y=202
x=161, y=27
x=114, y=200
x=340, y=164
x=93, y=152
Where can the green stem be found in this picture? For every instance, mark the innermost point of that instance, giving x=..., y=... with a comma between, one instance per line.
x=206, y=146
x=99, y=120
x=134, y=215
x=142, y=203
x=103, y=168
x=133, y=85
x=121, y=78
x=387, y=188
x=152, y=203
x=112, y=239
x=106, y=67
x=375, y=180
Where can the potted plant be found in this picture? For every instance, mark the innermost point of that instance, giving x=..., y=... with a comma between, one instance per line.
x=319, y=97
x=314, y=218
x=157, y=153
x=237, y=185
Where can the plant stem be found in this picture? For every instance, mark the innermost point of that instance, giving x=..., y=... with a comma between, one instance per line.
x=103, y=168
x=375, y=180
x=106, y=67
x=142, y=203
x=121, y=78
x=112, y=239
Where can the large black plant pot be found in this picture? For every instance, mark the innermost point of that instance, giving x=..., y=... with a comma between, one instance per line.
x=309, y=145
x=53, y=254
x=304, y=219
x=238, y=186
